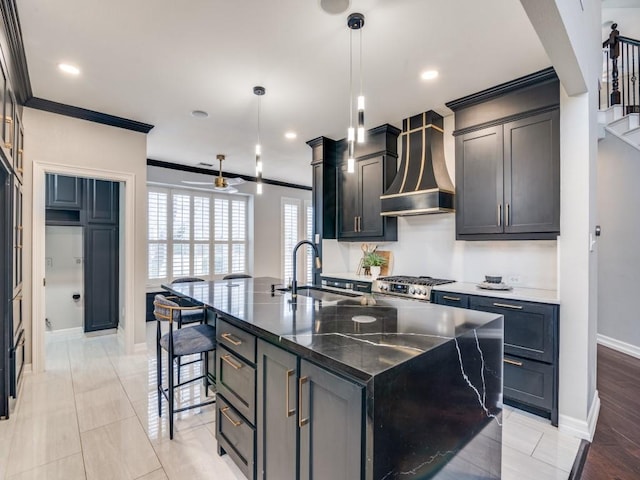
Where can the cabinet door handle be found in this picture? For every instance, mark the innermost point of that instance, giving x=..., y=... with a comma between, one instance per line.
x=231, y=339
x=235, y=423
x=227, y=359
x=506, y=219
x=512, y=362
x=359, y=224
x=355, y=224
x=506, y=305
x=303, y=421
x=289, y=411
x=447, y=297
x=499, y=214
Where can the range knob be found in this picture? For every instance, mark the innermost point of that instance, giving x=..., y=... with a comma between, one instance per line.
x=412, y=290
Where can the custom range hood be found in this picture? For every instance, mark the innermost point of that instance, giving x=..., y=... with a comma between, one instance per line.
x=422, y=184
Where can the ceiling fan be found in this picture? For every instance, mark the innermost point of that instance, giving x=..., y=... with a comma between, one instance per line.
x=220, y=183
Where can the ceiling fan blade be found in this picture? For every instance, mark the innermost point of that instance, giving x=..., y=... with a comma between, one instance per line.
x=226, y=189
x=235, y=181
x=196, y=183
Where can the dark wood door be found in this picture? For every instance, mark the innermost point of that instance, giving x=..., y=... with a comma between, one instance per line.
x=64, y=192
x=370, y=187
x=100, y=277
x=348, y=205
x=479, y=182
x=102, y=201
x=532, y=174
x=276, y=413
x=330, y=419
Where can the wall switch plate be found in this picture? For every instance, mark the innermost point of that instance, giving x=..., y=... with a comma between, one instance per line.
x=513, y=279
x=49, y=262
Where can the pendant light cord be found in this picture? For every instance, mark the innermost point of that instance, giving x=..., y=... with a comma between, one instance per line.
x=350, y=77
x=360, y=61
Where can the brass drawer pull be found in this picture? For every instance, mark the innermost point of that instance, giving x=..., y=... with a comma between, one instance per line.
x=506, y=305
x=499, y=214
x=227, y=359
x=355, y=224
x=8, y=120
x=292, y=411
x=303, y=421
x=8, y=145
x=19, y=227
x=235, y=423
x=512, y=362
x=231, y=339
x=454, y=299
x=20, y=170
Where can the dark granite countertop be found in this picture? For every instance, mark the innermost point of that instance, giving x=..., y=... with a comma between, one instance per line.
x=329, y=332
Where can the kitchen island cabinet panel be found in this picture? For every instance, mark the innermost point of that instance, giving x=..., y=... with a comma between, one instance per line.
x=235, y=437
x=330, y=419
x=236, y=380
x=529, y=382
x=277, y=408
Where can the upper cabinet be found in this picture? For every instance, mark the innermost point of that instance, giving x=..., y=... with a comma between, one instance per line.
x=358, y=198
x=508, y=161
x=64, y=192
x=102, y=201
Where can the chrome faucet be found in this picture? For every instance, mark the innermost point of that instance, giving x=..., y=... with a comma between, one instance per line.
x=294, y=282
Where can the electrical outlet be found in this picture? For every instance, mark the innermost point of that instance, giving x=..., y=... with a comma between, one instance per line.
x=514, y=279
x=49, y=262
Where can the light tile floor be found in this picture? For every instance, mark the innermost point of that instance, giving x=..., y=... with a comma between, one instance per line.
x=94, y=415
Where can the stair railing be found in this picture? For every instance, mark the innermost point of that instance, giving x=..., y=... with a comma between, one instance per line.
x=621, y=68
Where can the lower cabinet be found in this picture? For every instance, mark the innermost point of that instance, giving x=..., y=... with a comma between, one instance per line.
x=309, y=421
x=531, y=343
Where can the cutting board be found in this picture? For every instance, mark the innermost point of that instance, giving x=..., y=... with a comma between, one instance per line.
x=388, y=266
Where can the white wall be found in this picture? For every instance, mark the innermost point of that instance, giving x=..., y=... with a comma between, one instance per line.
x=62, y=140
x=265, y=225
x=64, y=270
x=618, y=252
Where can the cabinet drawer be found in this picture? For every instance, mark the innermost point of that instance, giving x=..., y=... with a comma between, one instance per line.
x=364, y=287
x=237, y=340
x=236, y=380
x=235, y=437
x=451, y=299
x=528, y=382
x=530, y=329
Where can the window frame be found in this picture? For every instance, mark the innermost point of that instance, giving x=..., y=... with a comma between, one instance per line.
x=170, y=242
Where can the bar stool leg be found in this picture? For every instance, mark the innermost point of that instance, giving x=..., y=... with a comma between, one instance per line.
x=159, y=369
x=170, y=392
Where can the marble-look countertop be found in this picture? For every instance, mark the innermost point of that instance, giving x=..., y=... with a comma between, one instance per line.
x=517, y=293
x=347, y=276
x=328, y=331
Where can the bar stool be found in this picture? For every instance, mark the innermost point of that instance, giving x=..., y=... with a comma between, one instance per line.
x=189, y=316
x=196, y=339
x=232, y=276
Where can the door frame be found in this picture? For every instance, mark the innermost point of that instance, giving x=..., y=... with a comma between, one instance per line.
x=40, y=169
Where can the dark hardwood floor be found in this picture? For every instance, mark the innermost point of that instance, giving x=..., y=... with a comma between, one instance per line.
x=615, y=451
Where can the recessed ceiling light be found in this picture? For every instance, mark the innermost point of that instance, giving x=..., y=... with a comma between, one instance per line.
x=199, y=114
x=70, y=69
x=429, y=74
x=290, y=135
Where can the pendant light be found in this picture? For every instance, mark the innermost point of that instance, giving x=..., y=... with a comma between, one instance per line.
x=259, y=91
x=355, y=21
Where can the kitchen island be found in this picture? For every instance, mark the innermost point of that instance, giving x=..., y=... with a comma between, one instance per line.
x=353, y=387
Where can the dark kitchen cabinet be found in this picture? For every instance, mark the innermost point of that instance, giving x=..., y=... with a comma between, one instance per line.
x=102, y=201
x=277, y=409
x=359, y=203
x=508, y=179
x=331, y=425
x=100, y=277
x=64, y=192
x=310, y=409
x=508, y=161
x=531, y=346
x=324, y=175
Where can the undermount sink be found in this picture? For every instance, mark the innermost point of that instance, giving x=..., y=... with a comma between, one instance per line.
x=323, y=294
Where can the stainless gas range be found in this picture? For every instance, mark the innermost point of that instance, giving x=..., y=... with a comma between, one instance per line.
x=418, y=288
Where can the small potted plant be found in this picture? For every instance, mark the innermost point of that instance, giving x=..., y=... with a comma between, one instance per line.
x=373, y=261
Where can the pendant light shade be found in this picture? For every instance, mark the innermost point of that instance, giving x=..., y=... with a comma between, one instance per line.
x=355, y=21
x=259, y=91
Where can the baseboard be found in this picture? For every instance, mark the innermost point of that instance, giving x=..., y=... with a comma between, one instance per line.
x=140, y=347
x=582, y=428
x=65, y=332
x=27, y=368
x=619, y=346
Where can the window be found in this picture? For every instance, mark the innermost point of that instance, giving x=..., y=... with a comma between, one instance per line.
x=185, y=226
x=297, y=224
